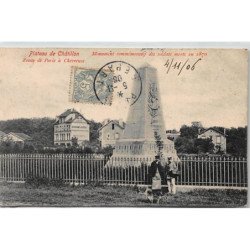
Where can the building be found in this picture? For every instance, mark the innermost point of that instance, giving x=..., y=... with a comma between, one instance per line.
x=110, y=132
x=172, y=134
x=71, y=124
x=218, y=138
x=2, y=135
x=20, y=138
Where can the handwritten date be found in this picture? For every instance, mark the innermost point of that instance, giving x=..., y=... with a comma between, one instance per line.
x=179, y=66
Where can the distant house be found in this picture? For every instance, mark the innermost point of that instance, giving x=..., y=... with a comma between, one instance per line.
x=172, y=134
x=18, y=137
x=71, y=124
x=110, y=132
x=2, y=135
x=218, y=138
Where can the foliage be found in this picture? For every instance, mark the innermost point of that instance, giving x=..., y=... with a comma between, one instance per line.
x=190, y=144
x=237, y=141
x=87, y=150
x=190, y=132
x=193, y=146
x=41, y=130
x=94, y=130
x=74, y=141
x=107, y=151
x=36, y=181
x=66, y=150
x=8, y=147
x=203, y=145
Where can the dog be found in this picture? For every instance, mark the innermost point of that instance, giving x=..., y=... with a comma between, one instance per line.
x=149, y=194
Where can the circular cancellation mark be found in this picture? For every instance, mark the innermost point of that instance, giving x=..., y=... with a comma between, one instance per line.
x=117, y=79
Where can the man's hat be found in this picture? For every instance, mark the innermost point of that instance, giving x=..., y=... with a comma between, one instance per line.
x=157, y=157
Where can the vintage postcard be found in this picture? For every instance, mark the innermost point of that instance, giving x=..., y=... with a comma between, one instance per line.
x=123, y=127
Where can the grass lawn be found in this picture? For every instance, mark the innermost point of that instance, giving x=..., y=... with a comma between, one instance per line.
x=19, y=194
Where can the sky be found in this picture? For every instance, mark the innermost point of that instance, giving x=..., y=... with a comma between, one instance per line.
x=215, y=92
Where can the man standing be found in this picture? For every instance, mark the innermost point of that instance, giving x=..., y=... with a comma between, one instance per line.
x=172, y=173
x=156, y=173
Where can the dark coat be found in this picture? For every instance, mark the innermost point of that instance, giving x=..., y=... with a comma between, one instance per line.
x=153, y=169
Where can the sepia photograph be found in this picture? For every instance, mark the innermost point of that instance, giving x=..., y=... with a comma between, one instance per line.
x=123, y=127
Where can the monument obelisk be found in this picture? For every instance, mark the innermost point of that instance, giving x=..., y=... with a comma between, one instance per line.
x=145, y=133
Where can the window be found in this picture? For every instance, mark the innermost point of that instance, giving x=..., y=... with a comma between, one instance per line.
x=113, y=126
x=218, y=139
x=117, y=136
x=107, y=136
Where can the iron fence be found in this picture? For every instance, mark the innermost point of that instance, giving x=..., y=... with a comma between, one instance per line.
x=84, y=169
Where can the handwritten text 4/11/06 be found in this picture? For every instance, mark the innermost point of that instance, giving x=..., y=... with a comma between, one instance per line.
x=171, y=64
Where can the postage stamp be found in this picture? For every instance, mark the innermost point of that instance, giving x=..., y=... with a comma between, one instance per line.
x=116, y=79
x=81, y=85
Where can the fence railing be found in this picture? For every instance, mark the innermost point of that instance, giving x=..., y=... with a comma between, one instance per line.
x=84, y=169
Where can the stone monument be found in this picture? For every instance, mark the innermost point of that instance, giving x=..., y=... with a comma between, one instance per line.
x=145, y=134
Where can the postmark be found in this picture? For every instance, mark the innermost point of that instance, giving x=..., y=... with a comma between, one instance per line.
x=117, y=80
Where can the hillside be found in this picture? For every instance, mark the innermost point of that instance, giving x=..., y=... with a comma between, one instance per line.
x=39, y=129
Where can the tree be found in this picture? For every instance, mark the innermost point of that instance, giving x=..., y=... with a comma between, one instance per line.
x=184, y=145
x=94, y=130
x=74, y=141
x=189, y=131
x=108, y=151
x=193, y=146
x=203, y=146
x=41, y=130
x=6, y=147
x=87, y=150
x=189, y=143
x=197, y=124
x=237, y=141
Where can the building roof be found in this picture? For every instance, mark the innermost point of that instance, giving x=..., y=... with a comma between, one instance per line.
x=21, y=136
x=215, y=130
x=68, y=112
x=115, y=122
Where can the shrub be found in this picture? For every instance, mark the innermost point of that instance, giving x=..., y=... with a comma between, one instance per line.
x=36, y=181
